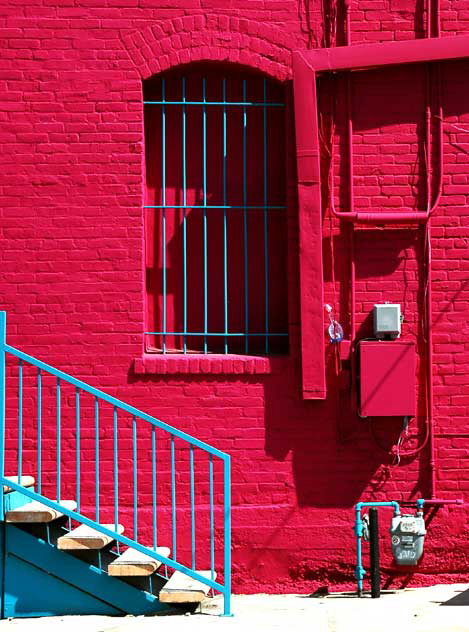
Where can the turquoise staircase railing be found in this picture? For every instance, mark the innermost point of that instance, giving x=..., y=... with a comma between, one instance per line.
x=179, y=487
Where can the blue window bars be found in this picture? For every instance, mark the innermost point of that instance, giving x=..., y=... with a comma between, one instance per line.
x=215, y=213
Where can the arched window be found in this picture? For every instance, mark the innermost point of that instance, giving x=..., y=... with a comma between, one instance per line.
x=215, y=212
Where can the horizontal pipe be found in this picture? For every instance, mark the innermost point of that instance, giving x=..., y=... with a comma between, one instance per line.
x=386, y=216
x=440, y=501
x=388, y=503
x=116, y=402
x=364, y=56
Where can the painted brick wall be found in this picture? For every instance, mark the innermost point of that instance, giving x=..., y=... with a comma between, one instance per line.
x=72, y=263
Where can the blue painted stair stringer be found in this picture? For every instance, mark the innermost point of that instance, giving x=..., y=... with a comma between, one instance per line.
x=40, y=580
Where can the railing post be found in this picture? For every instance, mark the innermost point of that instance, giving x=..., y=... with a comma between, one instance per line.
x=3, y=319
x=227, y=539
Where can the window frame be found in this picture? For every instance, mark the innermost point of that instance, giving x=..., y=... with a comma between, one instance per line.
x=182, y=361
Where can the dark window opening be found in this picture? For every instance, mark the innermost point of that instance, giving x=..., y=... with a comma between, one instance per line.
x=215, y=212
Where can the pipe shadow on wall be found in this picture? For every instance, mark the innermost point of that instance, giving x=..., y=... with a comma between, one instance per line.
x=334, y=457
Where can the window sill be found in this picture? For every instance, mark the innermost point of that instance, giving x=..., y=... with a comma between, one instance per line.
x=210, y=364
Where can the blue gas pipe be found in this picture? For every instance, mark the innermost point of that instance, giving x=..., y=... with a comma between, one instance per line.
x=358, y=528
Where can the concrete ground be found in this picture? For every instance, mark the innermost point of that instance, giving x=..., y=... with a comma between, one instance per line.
x=437, y=608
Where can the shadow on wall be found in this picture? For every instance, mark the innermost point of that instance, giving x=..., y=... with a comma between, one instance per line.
x=327, y=472
x=334, y=456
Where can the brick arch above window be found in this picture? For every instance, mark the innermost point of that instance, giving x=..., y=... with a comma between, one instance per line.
x=254, y=45
x=193, y=38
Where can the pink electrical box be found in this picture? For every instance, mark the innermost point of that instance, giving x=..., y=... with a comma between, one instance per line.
x=387, y=378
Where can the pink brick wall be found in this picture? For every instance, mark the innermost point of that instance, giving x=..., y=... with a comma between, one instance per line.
x=71, y=263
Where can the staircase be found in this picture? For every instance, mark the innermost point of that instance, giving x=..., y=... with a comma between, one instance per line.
x=103, y=508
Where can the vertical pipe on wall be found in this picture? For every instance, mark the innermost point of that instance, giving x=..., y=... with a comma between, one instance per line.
x=374, y=554
x=429, y=29
x=310, y=222
x=427, y=271
x=351, y=204
x=351, y=238
x=429, y=333
x=427, y=237
x=431, y=430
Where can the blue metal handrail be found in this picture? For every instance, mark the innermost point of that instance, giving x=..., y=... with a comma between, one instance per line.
x=117, y=405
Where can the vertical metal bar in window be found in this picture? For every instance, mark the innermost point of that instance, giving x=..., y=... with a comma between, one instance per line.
x=212, y=521
x=39, y=431
x=163, y=202
x=77, y=439
x=225, y=225
x=184, y=216
x=191, y=455
x=96, y=449
x=20, y=420
x=58, y=473
x=266, y=227
x=204, y=167
x=245, y=225
x=173, y=499
x=134, y=459
x=153, y=485
x=116, y=472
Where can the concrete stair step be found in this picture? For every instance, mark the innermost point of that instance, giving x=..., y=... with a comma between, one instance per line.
x=183, y=589
x=84, y=537
x=133, y=563
x=26, y=481
x=37, y=512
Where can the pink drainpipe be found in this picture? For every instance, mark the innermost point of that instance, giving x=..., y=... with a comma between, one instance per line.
x=307, y=64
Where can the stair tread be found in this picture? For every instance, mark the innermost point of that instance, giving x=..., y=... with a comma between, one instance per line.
x=132, y=556
x=35, y=511
x=84, y=537
x=26, y=481
x=134, y=563
x=183, y=589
